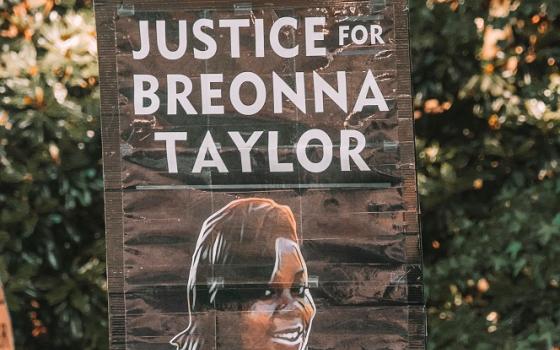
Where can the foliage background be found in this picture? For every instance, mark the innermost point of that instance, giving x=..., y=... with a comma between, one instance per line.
x=487, y=83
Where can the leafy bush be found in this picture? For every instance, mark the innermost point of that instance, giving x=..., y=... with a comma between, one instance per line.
x=51, y=216
x=488, y=125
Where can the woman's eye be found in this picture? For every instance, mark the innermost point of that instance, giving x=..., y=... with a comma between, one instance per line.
x=298, y=291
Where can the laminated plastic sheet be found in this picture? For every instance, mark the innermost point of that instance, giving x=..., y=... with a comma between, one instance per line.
x=306, y=257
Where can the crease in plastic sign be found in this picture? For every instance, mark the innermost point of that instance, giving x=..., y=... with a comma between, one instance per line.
x=125, y=10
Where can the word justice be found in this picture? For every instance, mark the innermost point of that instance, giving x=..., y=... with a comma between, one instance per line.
x=179, y=87
x=202, y=30
x=352, y=143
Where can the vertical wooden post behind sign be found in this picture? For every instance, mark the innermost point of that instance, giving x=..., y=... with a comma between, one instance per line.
x=6, y=335
x=259, y=170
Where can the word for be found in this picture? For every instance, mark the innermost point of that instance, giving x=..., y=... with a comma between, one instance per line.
x=352, y=143
x=360, y=34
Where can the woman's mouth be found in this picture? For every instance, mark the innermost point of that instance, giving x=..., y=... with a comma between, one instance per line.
x=288, y=336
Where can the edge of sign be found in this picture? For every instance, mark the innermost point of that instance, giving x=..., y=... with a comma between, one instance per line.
x=105, y=22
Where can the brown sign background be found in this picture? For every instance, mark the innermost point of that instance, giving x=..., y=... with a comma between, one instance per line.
x=358, y=232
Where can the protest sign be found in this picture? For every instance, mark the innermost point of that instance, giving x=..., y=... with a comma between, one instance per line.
x=259, y=175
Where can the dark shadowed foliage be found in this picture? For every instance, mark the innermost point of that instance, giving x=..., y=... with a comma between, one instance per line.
x=488, y=130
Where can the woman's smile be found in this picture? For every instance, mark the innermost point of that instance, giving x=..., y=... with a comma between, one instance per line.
x=289, y=336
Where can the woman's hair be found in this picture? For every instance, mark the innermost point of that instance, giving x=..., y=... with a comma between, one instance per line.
x=235, y=251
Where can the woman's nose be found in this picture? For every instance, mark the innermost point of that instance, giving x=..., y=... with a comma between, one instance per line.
x=286, y=300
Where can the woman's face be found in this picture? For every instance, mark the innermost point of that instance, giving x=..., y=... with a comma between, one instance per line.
x=281, y=319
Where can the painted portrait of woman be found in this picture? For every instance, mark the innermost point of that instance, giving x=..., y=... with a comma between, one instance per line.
x=248, y=284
